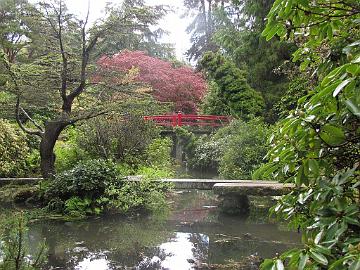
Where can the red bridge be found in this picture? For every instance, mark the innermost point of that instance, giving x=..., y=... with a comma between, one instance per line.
x=180, y=119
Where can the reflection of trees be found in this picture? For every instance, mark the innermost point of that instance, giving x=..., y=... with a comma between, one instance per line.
x=134, y=242
x=201, y=246
x=124, y=242
x=150, y=263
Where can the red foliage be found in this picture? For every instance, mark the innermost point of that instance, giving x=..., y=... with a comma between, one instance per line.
x=181, y=85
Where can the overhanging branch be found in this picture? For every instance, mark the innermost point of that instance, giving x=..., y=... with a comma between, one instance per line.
x=26, y=130
x=87, y=116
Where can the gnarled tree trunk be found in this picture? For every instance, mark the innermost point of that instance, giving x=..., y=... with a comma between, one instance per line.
x=48, y=140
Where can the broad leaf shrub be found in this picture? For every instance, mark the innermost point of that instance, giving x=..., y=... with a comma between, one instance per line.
x=244, y=146
x=235, y=151
x=96, y=186
x=158, y=153
x=317, y=146
x=13, y=150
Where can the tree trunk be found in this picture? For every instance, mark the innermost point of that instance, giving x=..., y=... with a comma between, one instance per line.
x=48, y=140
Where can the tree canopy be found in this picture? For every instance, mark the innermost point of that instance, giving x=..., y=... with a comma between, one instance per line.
x=233, y=91
x=179, y=85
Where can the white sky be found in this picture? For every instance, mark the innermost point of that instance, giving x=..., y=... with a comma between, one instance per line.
x=172, y=22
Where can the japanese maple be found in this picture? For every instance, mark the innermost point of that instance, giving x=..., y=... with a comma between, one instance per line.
x=180, y=85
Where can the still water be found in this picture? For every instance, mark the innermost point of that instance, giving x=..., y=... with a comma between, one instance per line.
x=190, y=235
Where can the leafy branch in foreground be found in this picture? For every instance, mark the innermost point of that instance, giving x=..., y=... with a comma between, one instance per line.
x=317, y=146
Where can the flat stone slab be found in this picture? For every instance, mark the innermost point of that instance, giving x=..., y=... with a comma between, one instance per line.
x=191, y=183
x=255, y=188
x=220, y=186
x=202, y=184
x=20, y=181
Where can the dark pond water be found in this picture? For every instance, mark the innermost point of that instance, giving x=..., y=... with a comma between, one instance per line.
x=191, y=233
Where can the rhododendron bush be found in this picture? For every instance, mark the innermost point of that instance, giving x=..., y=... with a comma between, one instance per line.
x=179, y=85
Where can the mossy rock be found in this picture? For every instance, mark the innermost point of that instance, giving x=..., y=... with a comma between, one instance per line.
x=234, y=205
x=26, y=195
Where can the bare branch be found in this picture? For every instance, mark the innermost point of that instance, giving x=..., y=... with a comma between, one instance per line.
x=63, y=56
x=31, y=120
x=51, y=22
x=17, y=114
x=85, y=56
x=88, y=116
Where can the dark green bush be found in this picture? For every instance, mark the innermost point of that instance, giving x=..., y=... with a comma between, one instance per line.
x=95, y=186
x=158, y=153
x=88, y=179
x=86, y=182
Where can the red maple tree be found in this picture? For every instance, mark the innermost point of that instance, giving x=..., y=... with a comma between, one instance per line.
x=180, y=85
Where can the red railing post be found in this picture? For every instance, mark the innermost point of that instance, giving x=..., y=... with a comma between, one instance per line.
x=179, y=118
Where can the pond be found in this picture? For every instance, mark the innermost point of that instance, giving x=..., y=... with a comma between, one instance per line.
x=192, y=235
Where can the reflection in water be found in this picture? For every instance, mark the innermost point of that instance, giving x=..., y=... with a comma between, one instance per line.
x=183, y=251
x=192, y=234
x=93, y=264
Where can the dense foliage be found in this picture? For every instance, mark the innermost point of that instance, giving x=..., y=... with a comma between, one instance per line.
x=123, y=138
x=46, y=57
x=234, y=151
x=13, y=149
x=238, y=34
x=317, y=146
x=234, y=29
x=96, y=186
x=180, y=85
x=244, y=146
x=233, y=91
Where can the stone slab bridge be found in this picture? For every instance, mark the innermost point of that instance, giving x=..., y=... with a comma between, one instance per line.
x=233, y=194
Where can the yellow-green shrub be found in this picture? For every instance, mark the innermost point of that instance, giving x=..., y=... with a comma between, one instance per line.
x=13, y=150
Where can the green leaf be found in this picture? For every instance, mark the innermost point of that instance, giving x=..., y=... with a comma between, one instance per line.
x=272, y=32
x=322, y=250
x=355, y=265
x=353, y=69
x=279, y=265
x=333, y=75
x=314, y=166
x=318, y=257
x=267, y=264
x=303, y=260
x=353, y=107
x=332, y=135
x=341, y=86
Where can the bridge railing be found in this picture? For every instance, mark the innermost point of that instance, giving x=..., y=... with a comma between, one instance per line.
x=180, y=119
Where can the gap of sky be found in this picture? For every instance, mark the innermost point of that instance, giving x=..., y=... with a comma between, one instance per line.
x=173, y=22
